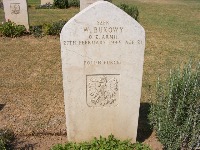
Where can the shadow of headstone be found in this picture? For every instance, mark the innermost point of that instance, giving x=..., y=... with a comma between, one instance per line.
x=19, y=144
x=2, y=106
x=144, y=127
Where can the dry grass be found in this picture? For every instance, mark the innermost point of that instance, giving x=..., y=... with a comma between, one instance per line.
x=31, y=84
x=30, y=76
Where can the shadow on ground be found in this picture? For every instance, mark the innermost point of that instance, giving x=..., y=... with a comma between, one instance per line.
x=144, y=127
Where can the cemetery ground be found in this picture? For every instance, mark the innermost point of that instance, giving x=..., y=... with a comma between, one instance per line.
x=31, y=95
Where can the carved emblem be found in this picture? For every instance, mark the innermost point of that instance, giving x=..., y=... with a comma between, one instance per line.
x=15, y=8
x=102, y=90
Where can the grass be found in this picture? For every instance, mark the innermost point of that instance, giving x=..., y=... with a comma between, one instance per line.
x=33, y=2
x=31, y=79
x=41, y=16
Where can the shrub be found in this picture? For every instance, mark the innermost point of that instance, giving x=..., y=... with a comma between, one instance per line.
x=10, y=29
x=54, y=28
x=103, y=143
x=175, y=113
x=131, y=10
x=61, y=4
x=36, y=31
x=6, y=138
x=1, y=5
x=74, y=3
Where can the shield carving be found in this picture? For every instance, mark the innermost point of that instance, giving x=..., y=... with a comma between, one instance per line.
x=15, y=8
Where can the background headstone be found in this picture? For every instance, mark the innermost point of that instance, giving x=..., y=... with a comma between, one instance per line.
x=102, y=64
x=46, y=1
x=86, y=3
x=16, y=11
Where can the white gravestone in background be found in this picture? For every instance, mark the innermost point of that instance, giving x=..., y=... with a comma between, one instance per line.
x=102, y=64
x=86, y=3
x=16, y=11
x=46, y=2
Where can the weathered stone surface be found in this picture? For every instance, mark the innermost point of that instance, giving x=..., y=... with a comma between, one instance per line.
x=16, y=11
x=102, y=64
x=86, y=3
x=46, y=1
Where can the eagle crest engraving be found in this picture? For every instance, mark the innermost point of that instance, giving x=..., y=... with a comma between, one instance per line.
x=102, y=90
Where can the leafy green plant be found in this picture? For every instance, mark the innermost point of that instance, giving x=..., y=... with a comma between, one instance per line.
x=62, y=4
x=74, y=3
x=131, y=10
x=101, y=144
x=10, y=29
x=175, y=113
x=6, y=138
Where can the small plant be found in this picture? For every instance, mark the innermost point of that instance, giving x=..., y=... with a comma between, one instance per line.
x=74, y=3
x=176, y=111
x=102, y=144
x=131, y=10
x=10, y=29
x=45, y=6
x=62, y=4
x=2, y=145
x=6, y=138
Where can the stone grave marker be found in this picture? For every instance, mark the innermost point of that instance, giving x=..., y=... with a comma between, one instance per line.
x=46, y=2
x=102, y=63
x=86, y=3
x=16, y=11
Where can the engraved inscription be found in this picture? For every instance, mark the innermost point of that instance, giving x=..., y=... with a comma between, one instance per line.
x=102, y=90
x=15, y=8
x=100, y=62
x=103, y=32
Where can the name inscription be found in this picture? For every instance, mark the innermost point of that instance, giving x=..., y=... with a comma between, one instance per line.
x=103, y=33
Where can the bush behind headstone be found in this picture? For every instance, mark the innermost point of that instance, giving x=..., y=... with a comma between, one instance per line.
x=74, y=3
x=131, y=10
x=62, y=4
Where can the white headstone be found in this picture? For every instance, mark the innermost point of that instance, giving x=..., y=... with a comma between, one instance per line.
x=86, y=3
x=102, y=64
x=16, y=11
x=46, y=2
